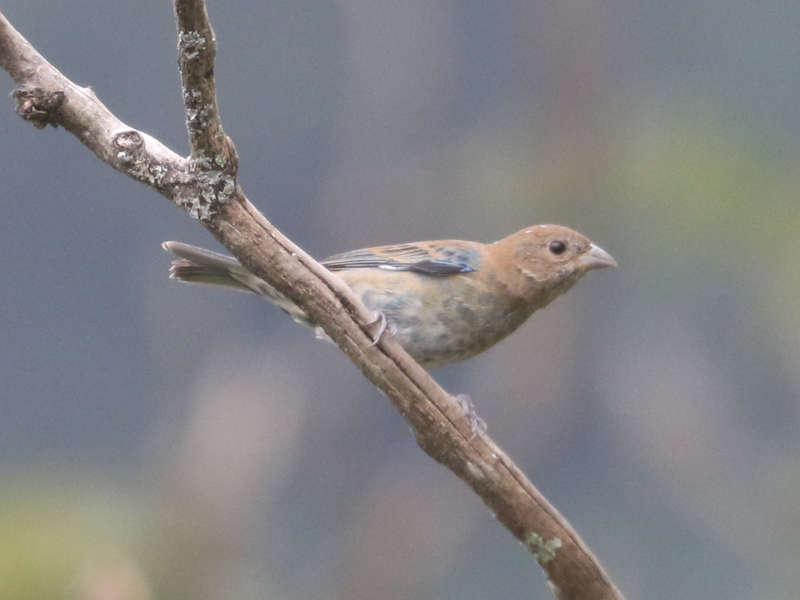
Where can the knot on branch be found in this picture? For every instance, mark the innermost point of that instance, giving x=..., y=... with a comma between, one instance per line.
x=38, y=106
x=129, y=145
x=132, y=159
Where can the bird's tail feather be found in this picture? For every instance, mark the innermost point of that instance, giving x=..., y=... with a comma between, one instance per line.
x=198, y=265
x=184, y=270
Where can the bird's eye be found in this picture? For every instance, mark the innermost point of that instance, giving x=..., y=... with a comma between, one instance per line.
x=557, y=247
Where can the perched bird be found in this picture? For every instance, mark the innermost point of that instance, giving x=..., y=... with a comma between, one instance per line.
x=443, y=300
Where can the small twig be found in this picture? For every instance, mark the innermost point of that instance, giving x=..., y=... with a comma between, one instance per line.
x=205, y=186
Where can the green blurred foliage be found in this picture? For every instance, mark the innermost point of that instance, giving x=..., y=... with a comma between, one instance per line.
x=56, y=544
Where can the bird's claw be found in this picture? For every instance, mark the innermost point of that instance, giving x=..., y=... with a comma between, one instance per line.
x=477, y=425
x=380, y=320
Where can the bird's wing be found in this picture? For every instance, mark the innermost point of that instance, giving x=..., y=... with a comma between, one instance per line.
x=431, y=258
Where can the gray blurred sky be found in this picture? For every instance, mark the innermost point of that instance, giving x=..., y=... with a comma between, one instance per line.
x=657, y=405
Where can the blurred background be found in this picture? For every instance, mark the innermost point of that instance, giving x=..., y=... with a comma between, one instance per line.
x=165, y=441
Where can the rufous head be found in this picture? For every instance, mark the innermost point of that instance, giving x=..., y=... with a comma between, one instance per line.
x=550, y=258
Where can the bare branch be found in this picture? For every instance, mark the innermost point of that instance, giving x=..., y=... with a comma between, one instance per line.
x=205, y=186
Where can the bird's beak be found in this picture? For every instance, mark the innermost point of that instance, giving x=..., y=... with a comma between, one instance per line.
x=596, y=258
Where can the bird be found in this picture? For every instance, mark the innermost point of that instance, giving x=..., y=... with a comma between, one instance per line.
x=444, y=301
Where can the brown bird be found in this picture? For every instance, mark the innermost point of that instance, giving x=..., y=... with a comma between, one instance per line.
x=443, y=300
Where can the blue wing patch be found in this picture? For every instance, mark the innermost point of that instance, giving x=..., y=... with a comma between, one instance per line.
x=437, y=258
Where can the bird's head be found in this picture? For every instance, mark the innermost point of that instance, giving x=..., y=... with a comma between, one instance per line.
x=546, y=260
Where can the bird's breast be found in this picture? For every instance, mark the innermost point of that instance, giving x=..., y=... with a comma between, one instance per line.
x=438, y=320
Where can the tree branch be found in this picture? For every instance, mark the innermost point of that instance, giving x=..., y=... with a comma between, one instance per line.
x=205, y=186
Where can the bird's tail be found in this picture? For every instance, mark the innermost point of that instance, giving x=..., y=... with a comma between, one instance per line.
x=198, y=265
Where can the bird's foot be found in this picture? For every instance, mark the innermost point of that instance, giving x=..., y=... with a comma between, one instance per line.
x=380, y=320
x=477, y=425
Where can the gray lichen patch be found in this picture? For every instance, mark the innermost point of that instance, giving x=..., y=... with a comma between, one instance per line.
x=197, y=205
x=190, y=44
x=192, y=97
x=198, y=117
x=213, y=188
x=543, y=550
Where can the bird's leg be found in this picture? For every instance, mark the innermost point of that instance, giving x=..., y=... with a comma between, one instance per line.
x=380, y=319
